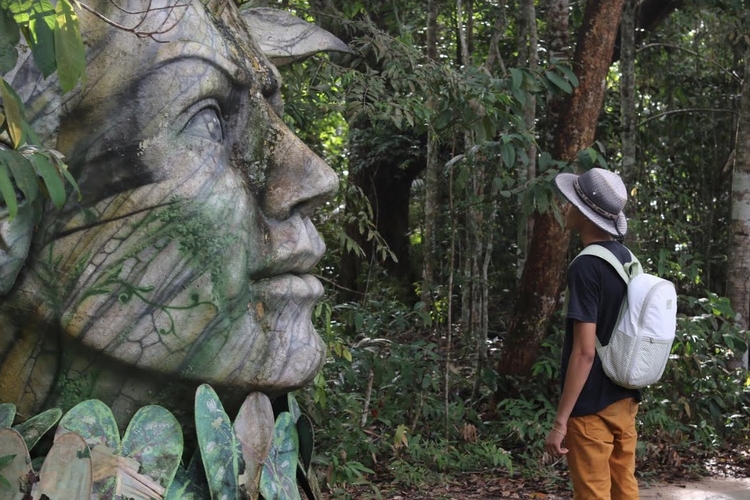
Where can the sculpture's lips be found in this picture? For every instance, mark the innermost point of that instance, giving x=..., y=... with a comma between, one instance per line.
x=298, y=288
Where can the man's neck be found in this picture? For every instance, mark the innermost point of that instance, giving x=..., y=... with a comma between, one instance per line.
x=593, y=234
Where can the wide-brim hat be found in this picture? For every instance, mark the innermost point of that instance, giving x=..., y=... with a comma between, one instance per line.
x=600, y=195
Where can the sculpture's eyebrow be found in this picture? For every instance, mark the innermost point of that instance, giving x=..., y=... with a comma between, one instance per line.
x=174, y=51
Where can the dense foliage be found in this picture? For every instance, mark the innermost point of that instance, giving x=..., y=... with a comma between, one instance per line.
x=397, y=395
x=403, y=392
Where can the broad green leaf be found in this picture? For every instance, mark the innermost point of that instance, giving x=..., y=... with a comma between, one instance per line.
x=219, y=448
x=94, y=422
x=23, y=172
x=37, y=426
x=7, y=191
x=154, y=439
x=9, y=37
x=7, y=414
x=559, y=82
x=40, y=35
x=14, y=113
x=306, y=435
x=70, y=53
x=516, y=77
x=568, y=73
x=279, y=478
x=509, y=154
x=190, y=483
x=51, y=176
x=293, y=406
x=185, y=487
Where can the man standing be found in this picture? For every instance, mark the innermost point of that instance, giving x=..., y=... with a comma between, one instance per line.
x=595, y=421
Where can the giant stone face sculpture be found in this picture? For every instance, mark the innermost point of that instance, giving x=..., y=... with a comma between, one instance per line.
x=188, y=257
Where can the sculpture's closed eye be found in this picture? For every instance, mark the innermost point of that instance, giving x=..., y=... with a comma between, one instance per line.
x=206, y=124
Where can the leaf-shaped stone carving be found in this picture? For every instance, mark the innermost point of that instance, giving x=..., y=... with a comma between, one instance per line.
x=67, y=471
x=254, y=429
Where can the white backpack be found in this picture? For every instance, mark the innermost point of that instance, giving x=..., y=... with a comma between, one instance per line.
x=638, y=351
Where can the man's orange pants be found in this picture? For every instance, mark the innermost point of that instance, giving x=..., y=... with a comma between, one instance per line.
x=602, y=453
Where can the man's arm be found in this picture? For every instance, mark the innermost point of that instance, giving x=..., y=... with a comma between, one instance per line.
x=579, y=367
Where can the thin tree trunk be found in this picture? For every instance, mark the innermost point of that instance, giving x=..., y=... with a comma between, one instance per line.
x=529, y=57
x=493, y=54
x=627, y=88
x=432, y=175
x=738, y=281
x=476, y=292
x=542, y=276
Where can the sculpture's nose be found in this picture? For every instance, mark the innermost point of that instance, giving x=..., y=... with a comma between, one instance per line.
x=299, y=180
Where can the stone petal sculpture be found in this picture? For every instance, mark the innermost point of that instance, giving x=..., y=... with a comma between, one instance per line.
x=188, y=258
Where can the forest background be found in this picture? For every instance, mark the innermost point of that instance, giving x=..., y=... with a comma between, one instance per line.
x=446, y=254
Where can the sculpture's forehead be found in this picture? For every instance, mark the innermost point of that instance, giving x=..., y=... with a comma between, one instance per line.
x=190, y=29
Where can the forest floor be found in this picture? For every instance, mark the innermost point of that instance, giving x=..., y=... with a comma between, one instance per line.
x=726, y=477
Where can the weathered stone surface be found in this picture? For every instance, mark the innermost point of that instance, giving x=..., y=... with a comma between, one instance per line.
x=188, y=258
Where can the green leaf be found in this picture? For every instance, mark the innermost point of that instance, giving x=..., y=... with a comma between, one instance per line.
x=219, y=449
x=9, y=37
x=7, y=191
x=516, y=76
x=509, y=154
x=23, y=172
x=51, y=176
x=154, y=439
x=279, y=478
x=7, y=414
x=293, y=406
x=306, y=435
x=568, y=73
x=37, y=426
x=57, y=160
x=69, y=50
x=190, y=483
x=559, y=82
x=94, y=422
x=14, y=113
x=41, y=37
x=6, y=459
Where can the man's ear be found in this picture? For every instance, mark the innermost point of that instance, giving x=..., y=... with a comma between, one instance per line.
x=284, y=38
x=15, y=241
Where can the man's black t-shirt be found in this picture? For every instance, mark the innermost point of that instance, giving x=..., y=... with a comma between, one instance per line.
x=596, y=293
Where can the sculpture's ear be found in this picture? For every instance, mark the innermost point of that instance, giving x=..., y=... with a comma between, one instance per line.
x=15, y=240
x=284, y=38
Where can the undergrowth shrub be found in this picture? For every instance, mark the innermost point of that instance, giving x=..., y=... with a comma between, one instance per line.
x=703, y=400
x=380, y=403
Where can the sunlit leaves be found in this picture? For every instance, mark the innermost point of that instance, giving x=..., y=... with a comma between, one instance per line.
x=69, y=49
x=54, y=36
x=13, y=111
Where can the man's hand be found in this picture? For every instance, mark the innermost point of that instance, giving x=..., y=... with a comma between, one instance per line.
x=554, y=442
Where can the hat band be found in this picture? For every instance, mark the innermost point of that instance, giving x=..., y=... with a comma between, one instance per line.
x=593, y=206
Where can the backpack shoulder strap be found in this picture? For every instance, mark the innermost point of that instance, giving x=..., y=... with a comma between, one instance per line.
x=626, y=271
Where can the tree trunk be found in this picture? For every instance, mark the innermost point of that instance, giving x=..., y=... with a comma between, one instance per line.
x=542, y=276
x=432, y=176
x=527, y=56
x=627, y=87
x=738, y=281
